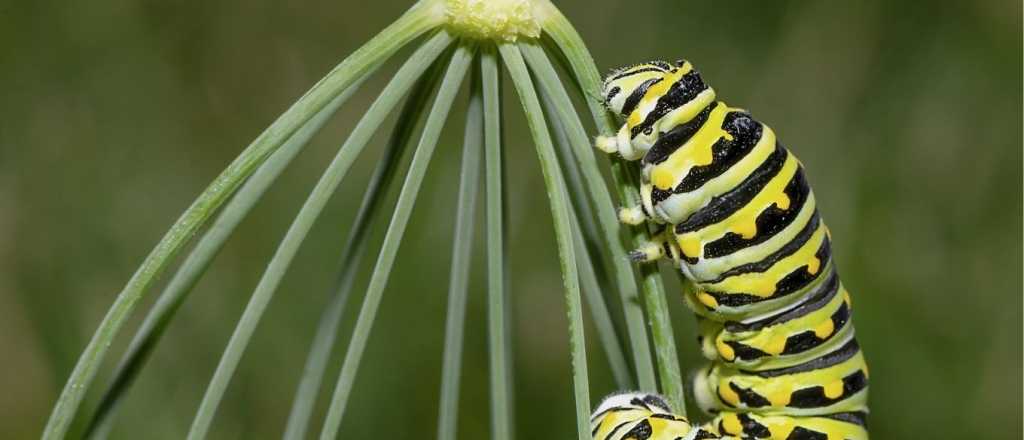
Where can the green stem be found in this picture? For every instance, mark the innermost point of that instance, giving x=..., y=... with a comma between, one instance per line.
x=558, y=197
x=384, y=175
x=583, y=221
x=412, y=24
x=604, y=209
x=393, y=238
x=625, y=176
x=183, y=281
x=461, y=260
x=303, y=222
x=500, y=381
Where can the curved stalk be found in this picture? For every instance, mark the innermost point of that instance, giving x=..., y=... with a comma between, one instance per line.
x=355, y=246
x=469, y=182
x=303, y=222
x=393, y=238
x=583, y=221
x=500, y=380
x=414, y=23
x=604, y=207
x=558, y=196
x=626, y=181
x=183, y=281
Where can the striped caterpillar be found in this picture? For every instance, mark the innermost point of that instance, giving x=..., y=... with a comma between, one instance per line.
x=739, y=219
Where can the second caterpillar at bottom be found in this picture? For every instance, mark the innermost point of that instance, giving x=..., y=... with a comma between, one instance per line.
x=639, y=416
x=740, y=221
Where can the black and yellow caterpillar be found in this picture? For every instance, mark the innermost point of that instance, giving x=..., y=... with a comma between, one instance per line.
x=741, y=222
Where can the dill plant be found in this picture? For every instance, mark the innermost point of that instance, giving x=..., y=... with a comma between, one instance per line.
x=455, y=40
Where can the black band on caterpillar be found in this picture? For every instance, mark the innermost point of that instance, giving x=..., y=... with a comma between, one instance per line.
x=775, y=319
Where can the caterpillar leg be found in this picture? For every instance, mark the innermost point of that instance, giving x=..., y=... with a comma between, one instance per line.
x=632, y=215
x=619, y=143
x=660, y=246
x=607, y=144
x=649, y=252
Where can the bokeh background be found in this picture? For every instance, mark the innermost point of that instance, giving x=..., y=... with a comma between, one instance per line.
x=115, y=114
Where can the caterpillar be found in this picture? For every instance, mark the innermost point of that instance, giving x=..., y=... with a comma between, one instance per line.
x=736, y=214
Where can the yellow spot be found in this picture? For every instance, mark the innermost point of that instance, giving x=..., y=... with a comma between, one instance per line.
x=658, y=90
x=707, y=300
x=762, y=287
x=780, y=396
x=813, y=265
x=782, y=429
x=690, y=245
x=731, y=423
x=697, y=151
x=824, y=329
x=834, y=390
x=724, y=349
x=727, y=394
x=782, y=201
x=634, y=118
x=776, y=345
x=747, y=229
x=743, y=222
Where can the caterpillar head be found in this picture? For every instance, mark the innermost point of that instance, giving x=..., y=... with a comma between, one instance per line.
x=653, y=98
x=624, y=87
x=633, y=400
x=630, y=416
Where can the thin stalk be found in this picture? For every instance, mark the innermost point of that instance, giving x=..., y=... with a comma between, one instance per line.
x=413, y=23
x=603, y=207
x=177, y=290
x=393, y=238
x=584, y=224
x=558, y=196
x=626, y=180
x=303, y=222
x=355, y=246
x=461, y=259
x=671, y=378
x=500, y=381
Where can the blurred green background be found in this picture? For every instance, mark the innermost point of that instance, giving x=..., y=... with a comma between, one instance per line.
x=115, y=114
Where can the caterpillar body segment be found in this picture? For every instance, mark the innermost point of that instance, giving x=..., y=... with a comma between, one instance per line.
x=732, y=425
x=640, y=416
x=742, y=224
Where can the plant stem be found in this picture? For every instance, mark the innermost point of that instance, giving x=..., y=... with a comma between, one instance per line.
x=303, y=222
x=393, y=238
x=626, y=179
x=412, y=24
x=383, y=176
x=496, y=300
x=185, y=279
x=583, y=221
x=461, y=261
x=605, y=211
x=558, y=197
